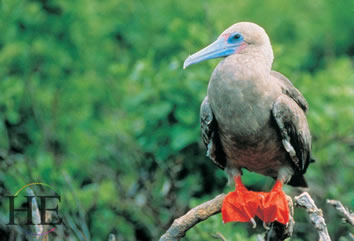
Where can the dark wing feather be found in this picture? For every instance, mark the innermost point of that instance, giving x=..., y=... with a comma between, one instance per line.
x=289, y=89
x=210, y=135
x=296, y=137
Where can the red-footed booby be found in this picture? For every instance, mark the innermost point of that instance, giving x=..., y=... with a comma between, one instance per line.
x=253, y=117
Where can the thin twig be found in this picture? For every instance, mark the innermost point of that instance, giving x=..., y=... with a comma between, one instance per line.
x=219, y=236
x=348, y=216
x=304, y=200
x=181, y=225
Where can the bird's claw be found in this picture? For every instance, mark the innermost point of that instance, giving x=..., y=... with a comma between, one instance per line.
x=266, y=226
x=254, y=225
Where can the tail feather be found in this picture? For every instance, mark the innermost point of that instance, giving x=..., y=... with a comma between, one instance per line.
x=298, y=181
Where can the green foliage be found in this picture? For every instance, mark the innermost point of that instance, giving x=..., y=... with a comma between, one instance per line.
x=94, y=102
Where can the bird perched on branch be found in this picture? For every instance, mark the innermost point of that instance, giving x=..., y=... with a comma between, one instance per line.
x=253, y=117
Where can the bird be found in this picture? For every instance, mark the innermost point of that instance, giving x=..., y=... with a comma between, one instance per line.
x=253, y=118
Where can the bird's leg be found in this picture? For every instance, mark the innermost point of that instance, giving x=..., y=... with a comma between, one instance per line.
x=240, y=205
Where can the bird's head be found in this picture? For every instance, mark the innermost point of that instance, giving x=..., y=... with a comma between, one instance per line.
x=240, y=38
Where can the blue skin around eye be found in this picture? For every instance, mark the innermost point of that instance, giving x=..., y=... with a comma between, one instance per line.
x=231, y=39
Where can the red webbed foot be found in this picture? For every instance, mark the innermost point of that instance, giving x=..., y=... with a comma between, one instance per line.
x=241, y=205
x=275, y=206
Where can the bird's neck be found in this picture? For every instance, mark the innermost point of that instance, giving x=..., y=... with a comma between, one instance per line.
x=246, y=66
x=255, y=57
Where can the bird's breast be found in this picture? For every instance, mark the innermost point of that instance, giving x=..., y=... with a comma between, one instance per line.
x=242, y=103
x=242, y=99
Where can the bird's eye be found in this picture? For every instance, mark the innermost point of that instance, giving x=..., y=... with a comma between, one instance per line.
x=237, y=36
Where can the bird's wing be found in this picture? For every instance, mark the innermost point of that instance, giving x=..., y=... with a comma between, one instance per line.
x=210, y=135
x=289, y=89
x=294, y=130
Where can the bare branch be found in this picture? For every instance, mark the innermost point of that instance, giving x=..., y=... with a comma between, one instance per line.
x=348, y=216
x=277, y=231
x=304, y=200
x=181, y=225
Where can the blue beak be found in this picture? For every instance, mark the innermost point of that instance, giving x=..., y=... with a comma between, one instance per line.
x=220, y=48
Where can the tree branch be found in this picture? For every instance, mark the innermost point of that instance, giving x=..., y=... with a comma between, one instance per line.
x=348, y=216
x=276, y=231
x=181, y=225
x=304, y=200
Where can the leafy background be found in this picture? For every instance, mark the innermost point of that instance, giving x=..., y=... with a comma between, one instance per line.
x=95, y=103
